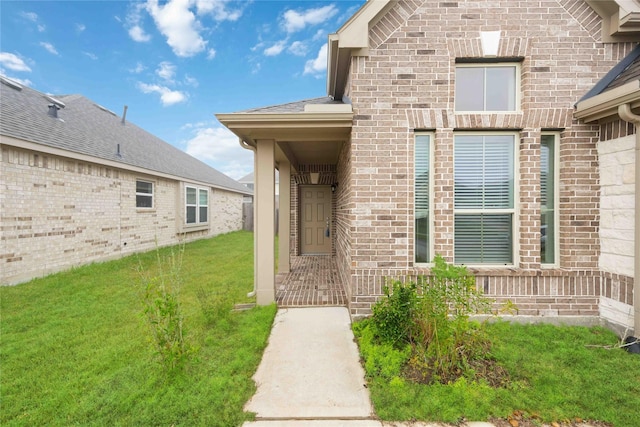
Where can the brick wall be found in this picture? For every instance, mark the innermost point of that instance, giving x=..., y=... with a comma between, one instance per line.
x=59, y=212
x=407, y=84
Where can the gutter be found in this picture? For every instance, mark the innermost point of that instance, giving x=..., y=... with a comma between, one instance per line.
x=625, y=113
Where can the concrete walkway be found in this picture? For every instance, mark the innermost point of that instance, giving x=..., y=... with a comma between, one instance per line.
x=310, y=370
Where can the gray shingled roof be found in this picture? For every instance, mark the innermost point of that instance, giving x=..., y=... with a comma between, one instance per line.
x=623, y=72
x=86, y=128
x=292, y=107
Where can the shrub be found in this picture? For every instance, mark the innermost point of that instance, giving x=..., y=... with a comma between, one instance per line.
x=393, y=315
x=431, y=315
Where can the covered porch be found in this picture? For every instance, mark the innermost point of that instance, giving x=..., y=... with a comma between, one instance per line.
x=303, y=141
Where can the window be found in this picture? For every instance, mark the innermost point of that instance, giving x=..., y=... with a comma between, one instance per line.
x=548, y=200
x=144, y=194
x=422, y=194
x=197, y=205
x=484, y=198
x=486, y=87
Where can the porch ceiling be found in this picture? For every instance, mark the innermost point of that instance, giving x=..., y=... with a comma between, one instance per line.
x=302, y=137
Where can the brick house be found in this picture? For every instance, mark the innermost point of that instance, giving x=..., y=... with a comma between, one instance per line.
x=449, y=129
x=79, y=184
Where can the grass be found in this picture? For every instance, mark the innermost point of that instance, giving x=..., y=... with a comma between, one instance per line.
x=554, y=377
x=76, y=351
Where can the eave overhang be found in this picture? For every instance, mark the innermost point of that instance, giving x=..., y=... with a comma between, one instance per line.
x=620, y=19
x=604, y=107
x=352, y=39
x=297, y=127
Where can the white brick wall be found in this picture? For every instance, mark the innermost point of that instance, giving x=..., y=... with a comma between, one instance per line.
x=58, y=212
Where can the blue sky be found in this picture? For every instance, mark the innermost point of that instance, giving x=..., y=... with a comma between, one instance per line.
x=175, y=63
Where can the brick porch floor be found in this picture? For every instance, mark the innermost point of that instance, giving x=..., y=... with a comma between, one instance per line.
x=313, y=281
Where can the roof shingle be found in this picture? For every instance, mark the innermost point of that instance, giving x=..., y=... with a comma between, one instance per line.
x=87, y=128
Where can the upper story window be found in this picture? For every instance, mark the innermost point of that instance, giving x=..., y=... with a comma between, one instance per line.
x=487, y=87
x=197, y=205
x=144, y=194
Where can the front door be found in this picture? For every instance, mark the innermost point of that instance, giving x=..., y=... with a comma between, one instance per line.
x=315, y=224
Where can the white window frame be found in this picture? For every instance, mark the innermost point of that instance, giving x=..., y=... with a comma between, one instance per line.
x=556, y=199
x=197, y=206
x=431, y=228
x=515, y=243
x=517, y=88
x=151, y=195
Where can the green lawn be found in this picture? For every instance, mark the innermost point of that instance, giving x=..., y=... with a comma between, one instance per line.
x=75, y=349
x=554, y=377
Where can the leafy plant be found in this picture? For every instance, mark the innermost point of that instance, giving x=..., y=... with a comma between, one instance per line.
x=163, y=312
x=432, y=315
x=393, y=316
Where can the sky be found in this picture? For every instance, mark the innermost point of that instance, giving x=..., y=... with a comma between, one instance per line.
x=175, y=63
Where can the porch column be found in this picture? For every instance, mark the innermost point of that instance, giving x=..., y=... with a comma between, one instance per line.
x=284, y=218
x=264, y=274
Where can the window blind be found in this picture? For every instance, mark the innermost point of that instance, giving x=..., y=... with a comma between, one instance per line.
x=422, y=171
x=484, y=199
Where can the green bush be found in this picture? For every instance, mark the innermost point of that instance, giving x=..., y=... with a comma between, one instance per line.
x=393, y=316
x=431, y=315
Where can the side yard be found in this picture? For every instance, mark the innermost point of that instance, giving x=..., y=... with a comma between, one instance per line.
x=76, y=349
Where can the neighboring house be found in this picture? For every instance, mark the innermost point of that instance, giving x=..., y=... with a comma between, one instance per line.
x=249, y=181
x=79, y=184
x=449, y=129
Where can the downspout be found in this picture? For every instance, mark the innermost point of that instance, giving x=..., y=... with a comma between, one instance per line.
x=248, y=146
x=624, y=111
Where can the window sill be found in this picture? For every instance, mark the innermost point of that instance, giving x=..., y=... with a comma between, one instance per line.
x=193, y=228
x=145, y=210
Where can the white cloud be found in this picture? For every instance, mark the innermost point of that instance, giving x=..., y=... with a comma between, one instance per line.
x=219, y=147
x=166, y=70
x=13, y=62
x=276, y=49
x=167, y=96
x=298, y=48
x=80, y=27
x=179, y=25
x=318, y=65
x=191, y=81
x=138, y=68
x=49, y=47
x=31, y=16
x=133, y=23
x=295, y=21
x=91, y=55
x=137, y=34
x=219, y=9
x=211, y=53
x=320, y=35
